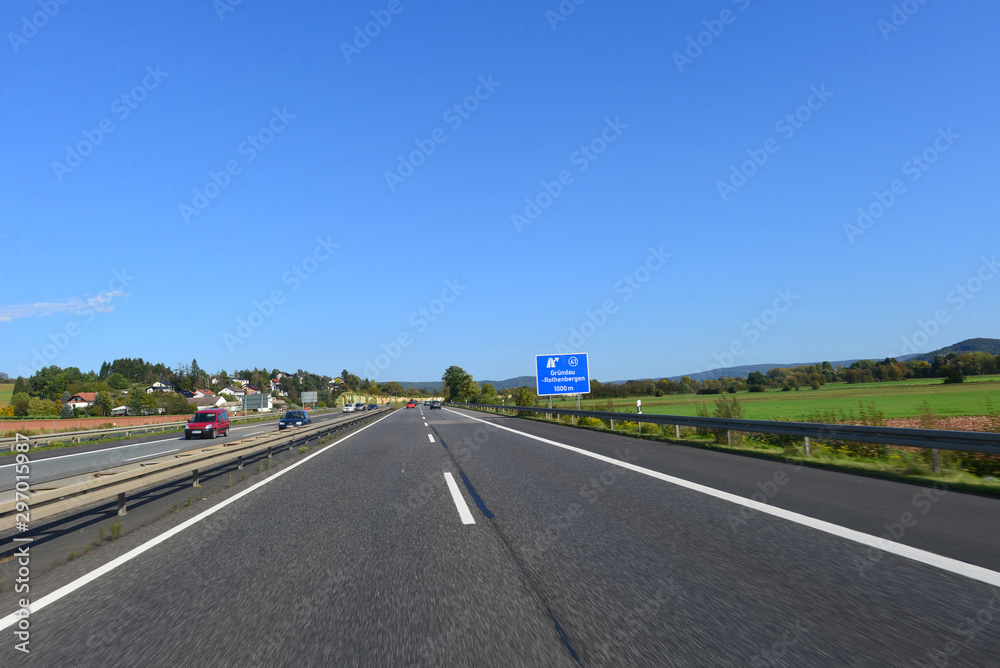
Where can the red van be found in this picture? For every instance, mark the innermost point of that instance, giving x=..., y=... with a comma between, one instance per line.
x=211, y=423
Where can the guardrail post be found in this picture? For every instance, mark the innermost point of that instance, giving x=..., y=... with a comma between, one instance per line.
x=239, y=463
x=269, y=448
x=936, y=456
x=677, y=431
x=729, y=437
x=122, y=510
x=194, y=479
x=808, y=446
x=612, y=424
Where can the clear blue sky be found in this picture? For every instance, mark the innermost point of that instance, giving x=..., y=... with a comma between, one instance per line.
x=309, y=129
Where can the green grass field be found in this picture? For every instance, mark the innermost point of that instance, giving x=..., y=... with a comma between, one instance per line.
x=6, y=392
x=901, y=399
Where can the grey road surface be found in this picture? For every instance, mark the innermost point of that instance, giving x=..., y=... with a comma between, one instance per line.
x=359, y=555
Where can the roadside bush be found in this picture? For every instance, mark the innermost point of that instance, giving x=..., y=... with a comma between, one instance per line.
x=728, y=408
x=725, y=407
x=872, y=416
x=702, y=411
x=856, y=449
x=776, y=440
x=651, y=428
x=590, y=422
x=979, y=463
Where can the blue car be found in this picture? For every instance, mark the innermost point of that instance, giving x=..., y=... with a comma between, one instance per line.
x=294, y=419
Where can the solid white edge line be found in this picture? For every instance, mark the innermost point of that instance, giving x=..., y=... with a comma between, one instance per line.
x=430, y=437
x=929, y=558
x=91, y=452
x=456, y=495
x=68, y=589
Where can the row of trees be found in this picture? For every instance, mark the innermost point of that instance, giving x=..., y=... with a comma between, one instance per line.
x=459, y=387
x=24, y=405
x=951, y=368
x=45, y=393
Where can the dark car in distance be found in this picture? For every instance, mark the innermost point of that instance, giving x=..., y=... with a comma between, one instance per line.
x=294, y=419
x=373, y=407
x=435, y=404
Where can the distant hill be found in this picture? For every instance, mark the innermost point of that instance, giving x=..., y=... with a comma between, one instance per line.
x=991, y=346
x=740, y=371
x=511, y=383
x=433, y=385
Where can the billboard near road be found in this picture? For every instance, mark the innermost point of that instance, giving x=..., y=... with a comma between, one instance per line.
x=309, y=397
x=255, y=402
x=562, y=374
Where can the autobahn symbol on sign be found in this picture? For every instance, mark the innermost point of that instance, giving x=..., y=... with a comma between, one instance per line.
x=562, y=374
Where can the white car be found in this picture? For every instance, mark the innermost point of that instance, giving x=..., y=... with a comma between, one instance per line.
x=348, y=408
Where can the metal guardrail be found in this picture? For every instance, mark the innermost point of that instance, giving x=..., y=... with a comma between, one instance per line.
x=58, y=496
x=935, y=439
x=41, y=440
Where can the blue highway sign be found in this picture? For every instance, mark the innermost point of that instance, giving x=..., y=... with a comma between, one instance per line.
x=562, y=374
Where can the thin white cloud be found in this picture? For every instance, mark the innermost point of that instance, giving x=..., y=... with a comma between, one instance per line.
x=75, y=305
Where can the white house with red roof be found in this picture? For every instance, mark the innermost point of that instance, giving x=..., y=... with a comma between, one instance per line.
x=82, y=399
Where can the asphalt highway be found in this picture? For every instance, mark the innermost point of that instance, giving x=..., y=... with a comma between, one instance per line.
x=454, y=538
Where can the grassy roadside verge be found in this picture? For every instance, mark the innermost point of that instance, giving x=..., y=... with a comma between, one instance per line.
x=908, y=465
x=899, y=399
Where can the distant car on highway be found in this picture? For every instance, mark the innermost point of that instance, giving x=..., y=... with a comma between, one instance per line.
x=359, y=407
x=210, y=423
x=435, y=404
x=373, y=407
x=348, y=408
x=411, y=404
x=294, y=419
